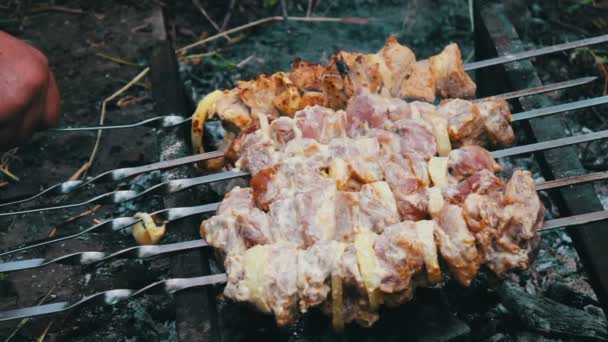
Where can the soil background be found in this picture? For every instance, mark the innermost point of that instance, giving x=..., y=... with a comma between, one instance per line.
x=96, y=47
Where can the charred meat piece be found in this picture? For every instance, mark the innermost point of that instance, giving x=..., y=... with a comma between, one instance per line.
x=420, y=84
x=450, y=78
x=396, y=64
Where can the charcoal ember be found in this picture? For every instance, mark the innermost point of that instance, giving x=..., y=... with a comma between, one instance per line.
x=215, y=191
x=139, y=184
x=550, y=317
x=568, y=295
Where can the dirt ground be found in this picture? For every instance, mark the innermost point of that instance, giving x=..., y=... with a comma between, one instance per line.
x=95, y=48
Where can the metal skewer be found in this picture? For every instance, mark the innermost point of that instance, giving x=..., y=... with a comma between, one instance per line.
x=87, y=258
x=512, y=57
x=119, y=223
x=170, y=286
x=167, y=286
x=118, y=175
x=167, y=121
x=121, y=196
x=176, y=120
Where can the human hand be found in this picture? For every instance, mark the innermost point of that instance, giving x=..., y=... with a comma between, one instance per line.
x=29, y=97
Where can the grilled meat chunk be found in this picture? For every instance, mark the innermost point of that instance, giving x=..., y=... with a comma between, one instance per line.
x=506, y=225
x=420, y=84
x=450, y=78
x=321, y=124
x=457, y=244
x=467, y=160
x=343, y=223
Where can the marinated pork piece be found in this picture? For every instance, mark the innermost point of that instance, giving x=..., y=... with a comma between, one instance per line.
x=230, y=108
x=306, y=76
x=465, y=124
x=416, y=136
x=496, y=116
x=371, y=209
x=238, y=225
x=400, y=256
x=457, y=245
x=396, y=64
x=281, y=131
x=520, y=238
x=266, y=277
x=450, y=78
x=467, y=160
x=321, y=124
x=258, y=155
x=272, y=95
x=366, y=110
x=420, y=84
x=506, y=226
x=315, y=267
x=347, y=72
x=482, y=182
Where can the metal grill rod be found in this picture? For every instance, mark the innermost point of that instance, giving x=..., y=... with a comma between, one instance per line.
x=176, y=120
x=170, y=286
x=513, y=57
x=120, y=174
x=173, y=214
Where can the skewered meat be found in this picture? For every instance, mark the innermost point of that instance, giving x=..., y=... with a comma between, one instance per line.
x=391, y=72
x=365, y=220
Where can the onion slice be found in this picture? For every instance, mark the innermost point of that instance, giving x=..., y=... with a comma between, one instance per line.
x=337, y=299
x=199, y=118
x=147, y=232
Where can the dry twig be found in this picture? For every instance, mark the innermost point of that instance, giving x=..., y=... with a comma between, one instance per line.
x=5, y=163
x=102, y=118
x=117, y=60
x=359, y=21
x=228, y=15
x=45, y=332
x=201, y=9
x=57, y=9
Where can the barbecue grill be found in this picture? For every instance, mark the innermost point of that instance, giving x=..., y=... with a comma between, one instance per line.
x=495, y=37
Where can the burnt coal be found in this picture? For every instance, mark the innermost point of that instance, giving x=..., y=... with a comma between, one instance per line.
x=547, y=316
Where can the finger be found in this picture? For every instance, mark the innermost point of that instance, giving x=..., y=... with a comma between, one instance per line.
x=52, y=108
x=33, y=118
